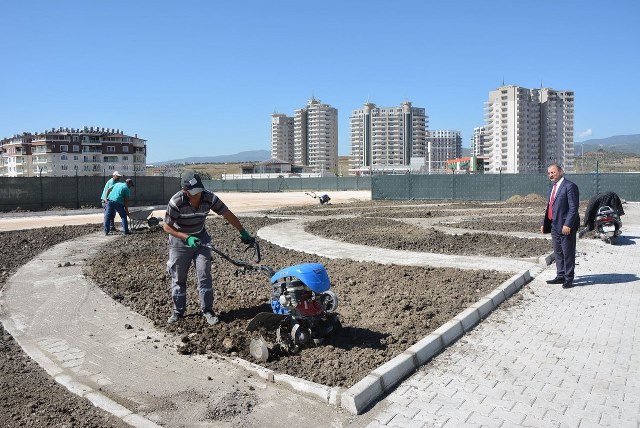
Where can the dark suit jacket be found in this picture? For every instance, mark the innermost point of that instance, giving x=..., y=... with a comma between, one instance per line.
x=565, y=208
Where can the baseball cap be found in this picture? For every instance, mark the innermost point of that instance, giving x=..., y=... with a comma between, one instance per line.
x=129, y=182
x=192, y=183
x=117, y=174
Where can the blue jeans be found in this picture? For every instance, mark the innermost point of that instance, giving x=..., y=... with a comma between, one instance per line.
x=110, y=215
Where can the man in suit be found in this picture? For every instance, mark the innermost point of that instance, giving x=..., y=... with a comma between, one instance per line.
x=562, y=220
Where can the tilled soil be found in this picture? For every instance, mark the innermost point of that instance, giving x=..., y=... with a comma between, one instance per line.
x=523, y=224
x=398, y=235
x=383, y=310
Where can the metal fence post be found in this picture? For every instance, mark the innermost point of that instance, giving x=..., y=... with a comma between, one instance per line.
x=453, y=181
x=41, y=189
x=77, y=189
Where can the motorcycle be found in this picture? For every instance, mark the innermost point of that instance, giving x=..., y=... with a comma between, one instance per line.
x=302, y=302
x=608, y=224
x=603, y=216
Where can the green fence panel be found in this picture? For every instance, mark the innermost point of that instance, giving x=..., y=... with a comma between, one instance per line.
x=497, y=187
x=290, y=184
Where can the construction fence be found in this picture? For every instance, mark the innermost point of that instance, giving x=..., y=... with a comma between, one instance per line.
x=44, y=193
x=497, y=187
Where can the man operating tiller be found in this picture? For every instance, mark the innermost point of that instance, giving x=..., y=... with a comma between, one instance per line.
x=184, y=221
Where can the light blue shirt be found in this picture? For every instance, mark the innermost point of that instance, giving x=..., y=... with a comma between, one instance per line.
x=119, y=191
x=107, y=186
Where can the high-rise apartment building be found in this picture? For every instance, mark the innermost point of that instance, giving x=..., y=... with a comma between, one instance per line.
x=526, y=129
x=66, y=152
x=442, y=145
x=282, y=137
x=315, y=135
x=556, y=129
x=383, y=138
x=477, y=141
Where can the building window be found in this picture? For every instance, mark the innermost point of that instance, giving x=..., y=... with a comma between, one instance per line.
x=125, y=149
x=64, y=148
x=76, y=157
x=76, y=148
x=111, y=149
x=125, y=158
x=63, y=157
x=64, y=167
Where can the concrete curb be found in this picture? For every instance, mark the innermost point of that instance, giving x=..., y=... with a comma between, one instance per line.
x=380, y=381
x=326, y=394
x=385, y=377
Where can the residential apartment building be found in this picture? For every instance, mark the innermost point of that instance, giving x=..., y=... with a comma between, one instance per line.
x=556, y=128
x=526, y=129
x=315, y=137
x=66, y=152
x=386, y=139
x=282, y=141
x=442, y=145
x=477, y=141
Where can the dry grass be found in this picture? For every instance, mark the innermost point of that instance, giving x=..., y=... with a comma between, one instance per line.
x=215, y=170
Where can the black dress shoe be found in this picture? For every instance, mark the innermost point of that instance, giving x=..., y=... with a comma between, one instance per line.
x=567, y=284
x=556, y=280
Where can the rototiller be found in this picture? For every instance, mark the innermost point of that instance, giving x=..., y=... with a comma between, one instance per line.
x=303, y=306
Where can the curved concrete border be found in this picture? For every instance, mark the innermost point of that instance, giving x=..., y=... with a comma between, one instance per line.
x=291, y=235
x=357, y=398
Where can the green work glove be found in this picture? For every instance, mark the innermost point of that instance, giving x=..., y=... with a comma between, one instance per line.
x=246, y=238
x=192, y=241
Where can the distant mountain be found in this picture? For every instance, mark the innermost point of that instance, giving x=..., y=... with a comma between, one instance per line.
x=248, y=156
x=617, y=143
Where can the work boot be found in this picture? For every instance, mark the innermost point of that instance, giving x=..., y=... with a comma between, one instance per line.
x=174, y=318
x=211, y=318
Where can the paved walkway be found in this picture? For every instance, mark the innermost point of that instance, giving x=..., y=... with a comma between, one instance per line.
x=551, y=358
x=548, y=357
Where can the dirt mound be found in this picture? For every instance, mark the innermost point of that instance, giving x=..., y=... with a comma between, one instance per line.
x=531, y=198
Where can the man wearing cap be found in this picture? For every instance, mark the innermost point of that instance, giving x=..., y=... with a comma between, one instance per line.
x=118, y=201
x=103, y=198
x=184, y=221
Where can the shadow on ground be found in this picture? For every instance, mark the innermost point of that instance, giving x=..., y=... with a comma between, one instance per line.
x=605, y=278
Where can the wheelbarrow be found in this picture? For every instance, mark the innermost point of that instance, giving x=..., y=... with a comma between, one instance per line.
x=141, y=218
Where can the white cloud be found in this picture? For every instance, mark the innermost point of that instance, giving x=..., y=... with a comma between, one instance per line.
x=586, y=133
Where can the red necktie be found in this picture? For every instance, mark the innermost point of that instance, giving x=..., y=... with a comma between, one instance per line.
x=553, y=196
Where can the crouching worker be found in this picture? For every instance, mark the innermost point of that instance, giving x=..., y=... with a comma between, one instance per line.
x=184, y=221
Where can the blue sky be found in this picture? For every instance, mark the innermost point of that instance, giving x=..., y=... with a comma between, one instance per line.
x=202, y=78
